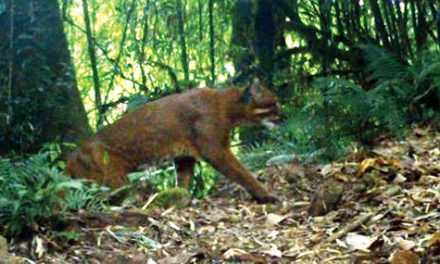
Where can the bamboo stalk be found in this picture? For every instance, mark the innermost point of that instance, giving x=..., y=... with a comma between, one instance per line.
x=211, y=39
x=184, y=55
x=93, y=64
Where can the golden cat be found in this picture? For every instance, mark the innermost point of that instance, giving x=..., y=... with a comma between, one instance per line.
x=196, y=124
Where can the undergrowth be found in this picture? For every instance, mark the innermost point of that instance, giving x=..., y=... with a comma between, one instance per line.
x=336, y=114
x=34, y=190
x=164, y=177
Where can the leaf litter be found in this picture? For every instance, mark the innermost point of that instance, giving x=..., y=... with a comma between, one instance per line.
x=389, y=213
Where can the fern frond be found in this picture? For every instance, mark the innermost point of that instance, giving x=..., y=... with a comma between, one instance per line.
x=381, y=65
x=30, y=193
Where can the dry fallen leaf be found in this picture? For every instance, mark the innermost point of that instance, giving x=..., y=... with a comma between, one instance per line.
x=274, y=219
x=405, y=244
x=180, y=258
x=395, y=163
x=151, y=261
x=234, y=252
x=404, y=257
x=434, y=239
x=273, y=252
x=341, y=177
x=329, y=170
x=40, y=249
x=341, y=243
x=399, y=178
x=359, y=242
x=366, y=164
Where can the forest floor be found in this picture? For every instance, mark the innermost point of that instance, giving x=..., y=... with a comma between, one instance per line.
x=375, y=206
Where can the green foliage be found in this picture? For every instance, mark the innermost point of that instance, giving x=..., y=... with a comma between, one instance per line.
x=30, y=192
x=91, y=197
x=68, y=235
x=204, y=180
x=341, y=114
x=164, y=177
x=337, y=114
x=161, y=178
x=138, y=47
x=256, y=155
x=383, y=66
x=34, y=190
x=415, y=86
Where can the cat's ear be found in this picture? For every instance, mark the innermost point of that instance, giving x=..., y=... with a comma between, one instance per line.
x=251, y=90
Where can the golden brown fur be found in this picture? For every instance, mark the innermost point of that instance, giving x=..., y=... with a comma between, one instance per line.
x=193, y=125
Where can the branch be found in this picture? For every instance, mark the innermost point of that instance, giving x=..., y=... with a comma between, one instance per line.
x=357, y=223
x=117, y=68
x=104, y=52
x=289, y=52
x=109, y=105
x=316, y=46
x=121, y=48
x=171, y=73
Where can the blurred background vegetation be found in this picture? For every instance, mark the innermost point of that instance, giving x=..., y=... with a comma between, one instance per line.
x=347, y=72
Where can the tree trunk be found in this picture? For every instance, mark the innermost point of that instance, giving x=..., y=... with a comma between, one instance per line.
x=380, y=25
x=265, y=40
x=241, y=34
x=42, y=97
x=421, y=29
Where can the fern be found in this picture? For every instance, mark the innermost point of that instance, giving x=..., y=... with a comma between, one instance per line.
x=383, y=66
x=341, y=115
x=91, y=198
x=29, y=192
x=428, y=72
x=256, y=156
x=337, y=113
x=34, y=190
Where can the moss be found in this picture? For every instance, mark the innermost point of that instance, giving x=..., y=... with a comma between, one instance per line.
x=326, y=198
x=177, y=197
x=3, y=245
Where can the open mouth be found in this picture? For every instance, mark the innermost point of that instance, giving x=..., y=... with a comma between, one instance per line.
x=268, y=124
x=262, y=111
x=270, y=117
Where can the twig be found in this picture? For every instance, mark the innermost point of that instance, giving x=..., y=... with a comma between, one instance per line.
x=332, y=259
x=53, y=243
x=119, y=239
x=104, y=52
x=150, y=200
x=121, y=48
x=119, y=190
x=118, y=68
x=358, y=222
